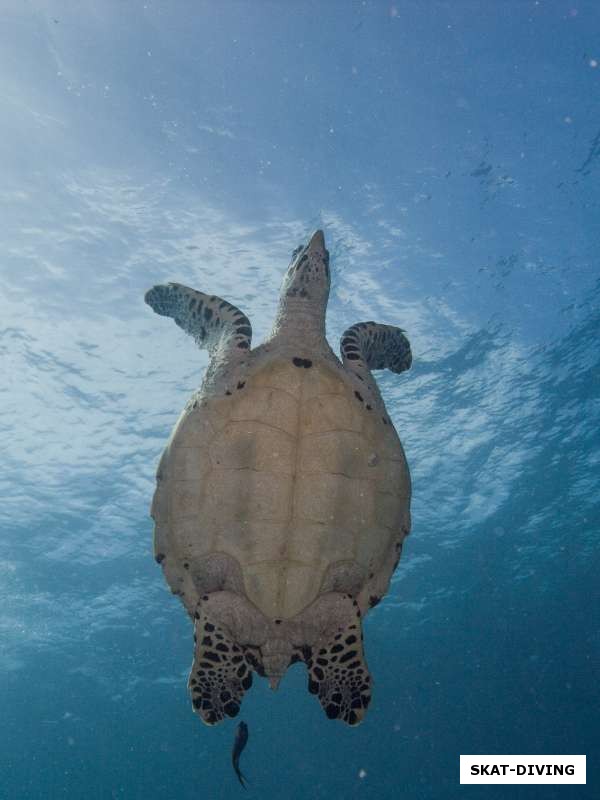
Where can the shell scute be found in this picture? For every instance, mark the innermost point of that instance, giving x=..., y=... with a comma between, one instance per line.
x=186, y=501
x=281, y=375
x=334, y=500
x=262, y=403
x=388, y=510
x=333, y=412
x=253, y=445
x=337, y=453
x=188, y=463
x=318, y=544
x=283, y=587
x=242, y=494
x=195, y=428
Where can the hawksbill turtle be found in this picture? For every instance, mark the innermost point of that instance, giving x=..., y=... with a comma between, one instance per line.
x=283, y=494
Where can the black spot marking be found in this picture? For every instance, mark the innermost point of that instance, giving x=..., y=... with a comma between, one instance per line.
x=241, y=384
x=277, y=622
x=244, y=330
x=374, y=600
x=196, y=702
x=243, y=345
x=222, y=647
x=358, y=396
x=212, y=656
x=247, y=681
x=368, y=407
x=351, y=639
x=208, y=626
x=227, y=392
x=186, y=565
x=347, y=656
x=385, y=422
x=297, y=362
x=208, y=314
x=313, y=687
x=207, y=641
x=319, y=673
x=351, y=356
x=332, y=711
x=159, y=558
x=337, y=648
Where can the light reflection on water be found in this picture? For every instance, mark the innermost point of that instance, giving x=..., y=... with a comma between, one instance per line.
x=487, y=258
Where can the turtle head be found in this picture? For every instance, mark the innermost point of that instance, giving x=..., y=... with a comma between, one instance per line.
x=308, y=273
x=305, y=287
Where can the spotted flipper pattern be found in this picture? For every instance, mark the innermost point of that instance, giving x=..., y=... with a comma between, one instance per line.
x=220, y=674
x=338, y=673
x=212, y=322
x=369, y=345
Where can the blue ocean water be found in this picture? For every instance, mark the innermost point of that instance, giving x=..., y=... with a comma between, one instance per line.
x=451, y=153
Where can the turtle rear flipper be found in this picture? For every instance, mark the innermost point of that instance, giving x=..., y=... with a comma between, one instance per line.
x=338, y=672
x=221, y=673
x=214, y=323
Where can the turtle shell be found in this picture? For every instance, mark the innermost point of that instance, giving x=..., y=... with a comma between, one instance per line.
x=289, y=474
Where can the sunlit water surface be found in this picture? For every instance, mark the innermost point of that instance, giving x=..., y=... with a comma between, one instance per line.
x=451, y=153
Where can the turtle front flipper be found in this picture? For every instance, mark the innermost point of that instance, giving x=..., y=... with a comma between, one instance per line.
x=215, y=324
x=220, y=674
x=338, y=672
x=369, y=345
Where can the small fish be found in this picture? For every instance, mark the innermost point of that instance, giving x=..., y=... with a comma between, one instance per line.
x=240, y=741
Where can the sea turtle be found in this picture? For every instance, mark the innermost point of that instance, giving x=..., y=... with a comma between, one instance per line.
x=283, y=494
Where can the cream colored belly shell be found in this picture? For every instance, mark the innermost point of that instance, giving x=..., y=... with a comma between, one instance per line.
x=287, y=475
